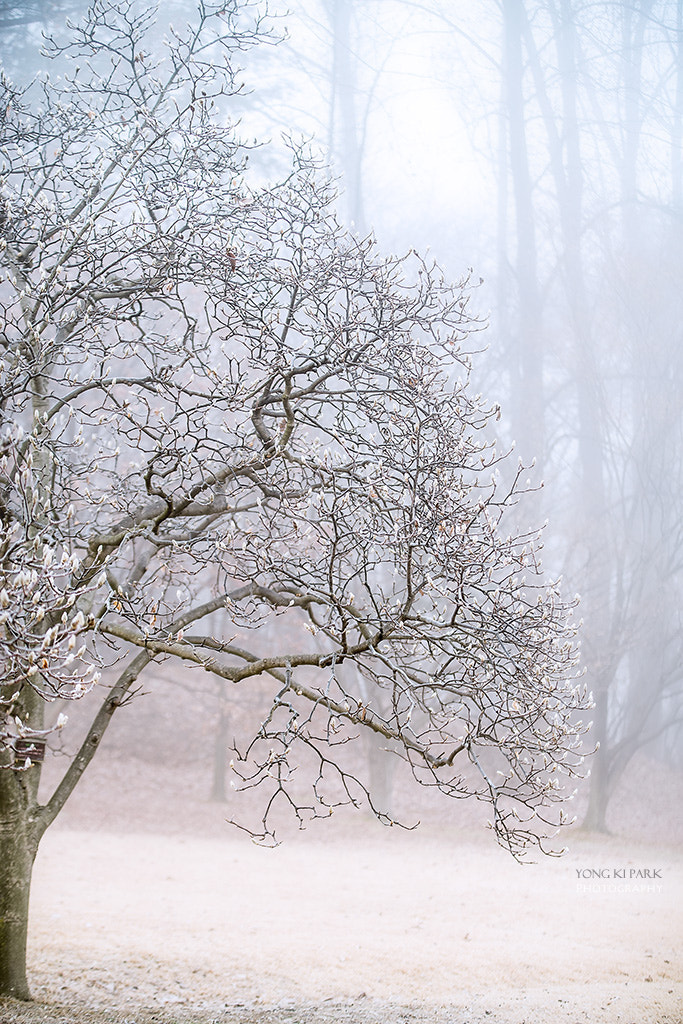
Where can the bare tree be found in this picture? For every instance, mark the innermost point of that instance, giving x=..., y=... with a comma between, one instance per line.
x=219, y=407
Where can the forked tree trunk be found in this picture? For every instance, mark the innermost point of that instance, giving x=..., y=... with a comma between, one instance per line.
x=23, y=822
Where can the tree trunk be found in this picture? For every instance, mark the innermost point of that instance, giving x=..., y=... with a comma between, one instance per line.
x=595, y=819
x=528, y=367
x=596, y=812
x=220, y=755
x=15, y=885
x=344, y=94
x=381, y=768
x=19, y=844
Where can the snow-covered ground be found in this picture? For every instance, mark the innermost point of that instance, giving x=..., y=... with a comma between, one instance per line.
x=358, y=923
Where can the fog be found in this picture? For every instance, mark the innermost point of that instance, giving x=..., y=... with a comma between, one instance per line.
x=537, y=147
x=532, y=149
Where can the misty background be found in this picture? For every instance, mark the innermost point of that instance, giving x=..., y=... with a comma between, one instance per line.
x=536, y=147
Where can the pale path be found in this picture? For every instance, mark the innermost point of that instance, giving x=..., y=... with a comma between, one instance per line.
x=452, y=927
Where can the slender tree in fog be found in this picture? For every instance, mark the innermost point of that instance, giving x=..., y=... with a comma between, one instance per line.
x=219, y=407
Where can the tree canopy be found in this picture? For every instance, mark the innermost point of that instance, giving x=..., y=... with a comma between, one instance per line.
x=219, y=408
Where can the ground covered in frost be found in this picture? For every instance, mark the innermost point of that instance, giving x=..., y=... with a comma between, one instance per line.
x=149, y=909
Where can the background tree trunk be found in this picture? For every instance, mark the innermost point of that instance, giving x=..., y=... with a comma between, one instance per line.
x=220, y=747
x=595, y=819
x=527, y=368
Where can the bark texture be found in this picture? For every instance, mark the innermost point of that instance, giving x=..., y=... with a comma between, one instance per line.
x=19, y=843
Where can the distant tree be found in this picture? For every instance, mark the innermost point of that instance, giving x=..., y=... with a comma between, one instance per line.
x=218, y=407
